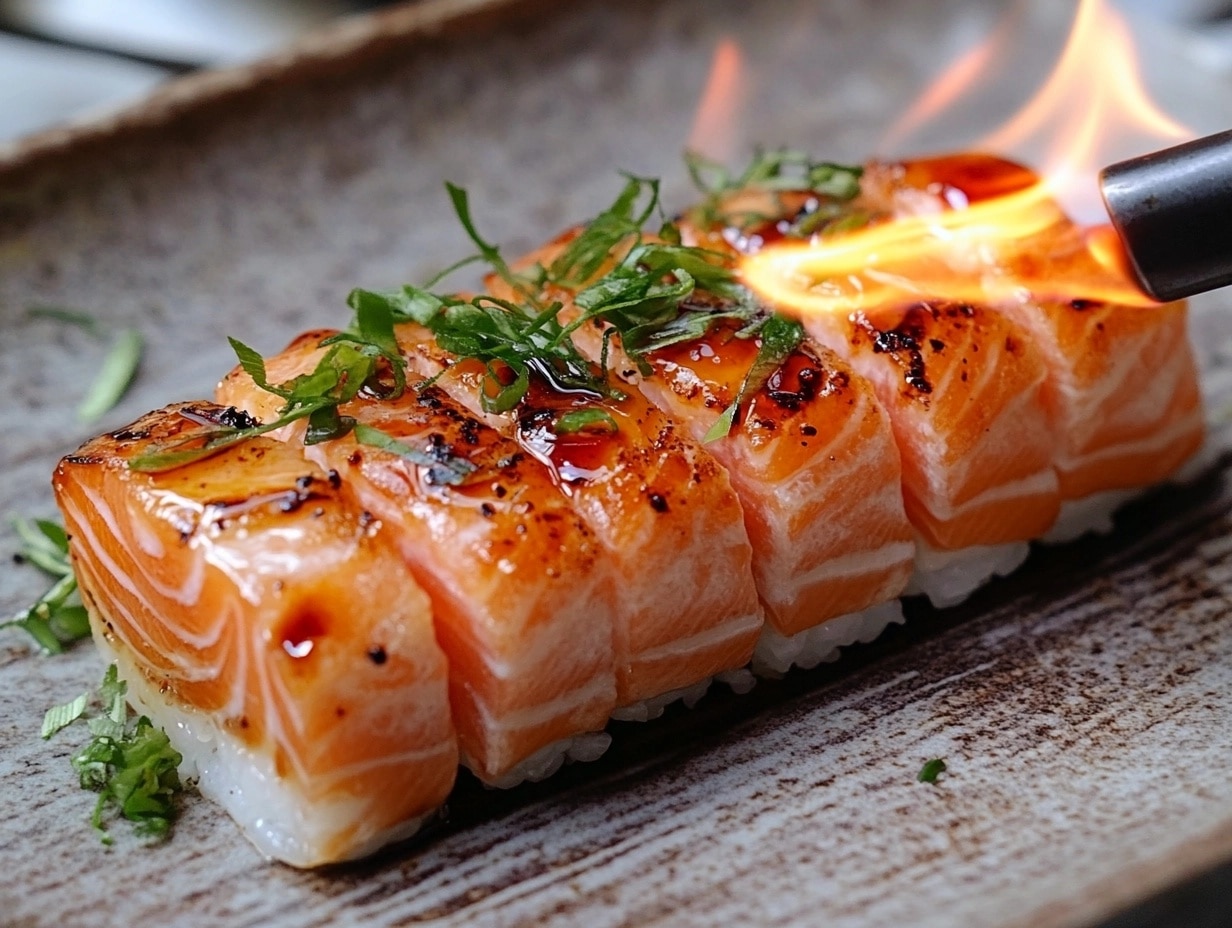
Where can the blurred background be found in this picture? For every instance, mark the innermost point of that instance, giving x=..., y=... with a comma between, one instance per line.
x=63, y=60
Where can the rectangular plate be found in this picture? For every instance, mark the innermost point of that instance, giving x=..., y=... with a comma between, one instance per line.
x=1084, y=706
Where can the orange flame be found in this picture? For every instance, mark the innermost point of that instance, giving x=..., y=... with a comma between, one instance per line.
x=1012, y=245
x=955, y=81
x=714, y=126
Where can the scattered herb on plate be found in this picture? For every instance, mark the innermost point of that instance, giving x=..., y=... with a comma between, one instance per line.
x=128, y=761
x=931, y=770
x=57, y=618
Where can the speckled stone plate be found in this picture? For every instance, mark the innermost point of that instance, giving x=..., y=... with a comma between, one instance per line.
x=1084, y=706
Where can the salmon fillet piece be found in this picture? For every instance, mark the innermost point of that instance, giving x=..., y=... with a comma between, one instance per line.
x=811, y=458
x=670, y=523
x=1122, y=384
x=251, y=604
x=966, y=390
x=520, y=591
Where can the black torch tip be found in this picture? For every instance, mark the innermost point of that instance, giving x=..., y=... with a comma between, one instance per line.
x=1173, y=212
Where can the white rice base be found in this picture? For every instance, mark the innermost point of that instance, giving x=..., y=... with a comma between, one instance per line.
x=548, y=759
x=949, y=577
x=276, y=819
x=776, y=653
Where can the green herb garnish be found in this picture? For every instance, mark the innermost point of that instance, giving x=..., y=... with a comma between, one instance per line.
x=779, y=171
x=647, y=298
x=579, y=420
x=128, y=762
x=56, y=618
x=930, y=771
x=578, y=263
x=779, y=336
x=365, y=357
x=81, y=320
x=114, y=376
x=443, y=467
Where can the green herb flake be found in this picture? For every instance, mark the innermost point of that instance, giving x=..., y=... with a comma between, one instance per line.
x=780, y=336
x=931, y=770
x=114, y=376
x=57, y=618
x=365, y=358
x=62, y=716
x=65, y=316
x=778, y=171
x=128, y=762
x=580, y=420
x=444, y=468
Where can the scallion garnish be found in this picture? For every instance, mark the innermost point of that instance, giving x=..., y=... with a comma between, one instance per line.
x=580, y=420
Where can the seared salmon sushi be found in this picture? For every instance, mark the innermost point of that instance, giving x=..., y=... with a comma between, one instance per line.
x=810, y=455
x=685, y=603
x=965, y=390
x=1122, y=385
x=270, y=626
x=519, y=589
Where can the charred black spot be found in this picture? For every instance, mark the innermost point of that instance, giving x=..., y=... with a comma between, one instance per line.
x=335, y=479
x=355, y=459
x=1082, y=305
x=936, y=344
x=487, y=510
x=130, y=434
x=377, y=655
x=500, y=491
x=366, y=518
x=470, y=432
x=658, y=502
x=83, y=459
x=808, y=430
x=904, y=343
x=304, y=483
x=237, y=419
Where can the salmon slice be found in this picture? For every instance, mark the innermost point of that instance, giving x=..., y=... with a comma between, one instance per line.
x=1122, y=385
x=966, y=393
x=685, y=602
x=811, y=457
x=521, y=595
x=271, y=627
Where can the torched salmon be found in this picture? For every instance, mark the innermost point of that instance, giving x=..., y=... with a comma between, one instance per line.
x=520, y=594
x=1121, y=390
x=269, y=611
x=329, y=628
x=811, y=457
x=671, y=526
